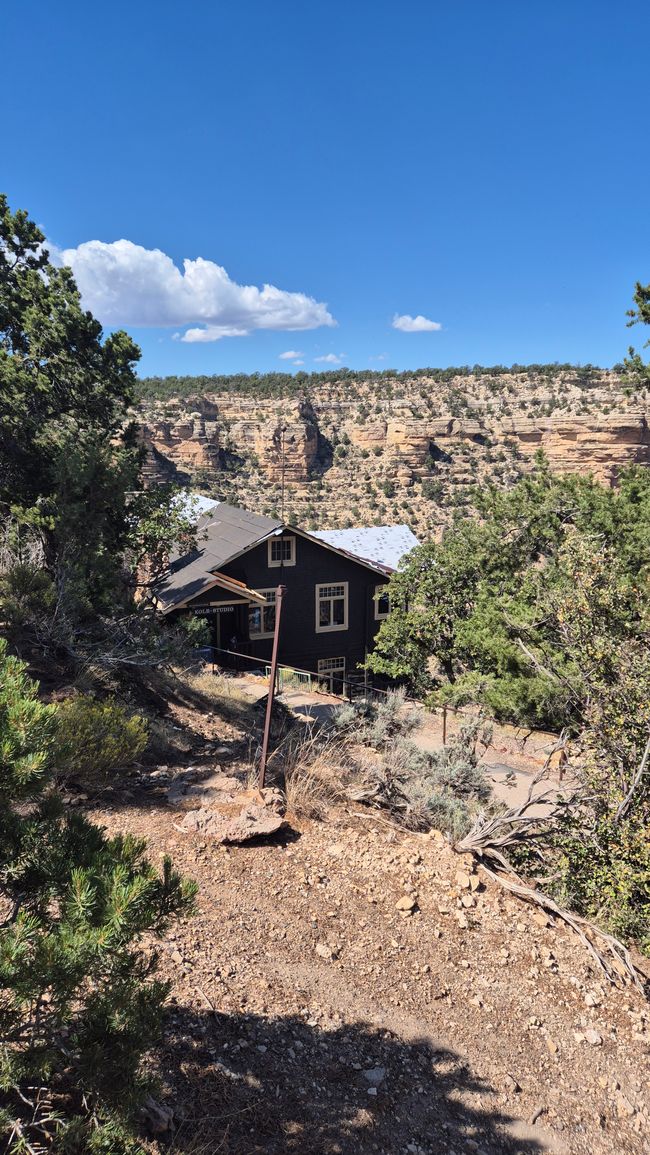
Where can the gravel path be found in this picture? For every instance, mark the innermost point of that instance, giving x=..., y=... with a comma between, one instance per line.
x=349, y=988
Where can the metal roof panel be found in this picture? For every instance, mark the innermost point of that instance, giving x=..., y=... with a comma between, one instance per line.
x=385, y=545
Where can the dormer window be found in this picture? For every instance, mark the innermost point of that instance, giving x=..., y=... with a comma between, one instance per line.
x=282, y=551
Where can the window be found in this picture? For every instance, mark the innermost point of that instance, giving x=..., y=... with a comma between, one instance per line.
x=332, y=672
x=282, y=551
x=261, y=619
x=331, y=607
x=382, y=603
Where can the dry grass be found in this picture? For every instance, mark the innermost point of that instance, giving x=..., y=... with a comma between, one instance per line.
x=221, y=693
x=314, y=769
x=214, y=687
x=307, y=795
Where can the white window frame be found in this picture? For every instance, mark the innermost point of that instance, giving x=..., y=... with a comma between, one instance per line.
x=327, y=672
x=255, y=635
x=290, y=537
x=331, y=598
x=381, y=591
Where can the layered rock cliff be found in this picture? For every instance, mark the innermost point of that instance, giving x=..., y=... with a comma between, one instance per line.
x=393, y=450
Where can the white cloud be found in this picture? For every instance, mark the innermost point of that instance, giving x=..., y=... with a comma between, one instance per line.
x=290, y=355
x=299, y=362
x=126, y=284
x=419, y=324
x=330, y=359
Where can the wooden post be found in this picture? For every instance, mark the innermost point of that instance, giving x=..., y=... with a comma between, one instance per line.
x=279, y=594
x=444, y=725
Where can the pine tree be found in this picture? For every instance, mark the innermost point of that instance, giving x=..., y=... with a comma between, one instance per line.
x=79, y=1000
x=70, y=459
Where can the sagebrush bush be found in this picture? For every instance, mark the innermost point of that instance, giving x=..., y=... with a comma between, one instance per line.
x=94, y=738
x=376, y=723
x=441, y=812
x=455, y=767
x=440, y=788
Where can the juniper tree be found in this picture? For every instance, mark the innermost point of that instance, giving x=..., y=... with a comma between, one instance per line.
x=70, y=460
x=80, y=1002
x=468, y=611
x=639, y=369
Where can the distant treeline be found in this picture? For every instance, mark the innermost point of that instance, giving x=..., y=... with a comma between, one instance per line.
x=260, y=385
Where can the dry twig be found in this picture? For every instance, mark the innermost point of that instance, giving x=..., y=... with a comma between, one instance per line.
x=636, y=782
x=491, y=836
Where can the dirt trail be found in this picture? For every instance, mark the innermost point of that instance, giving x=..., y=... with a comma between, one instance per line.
x=347, y=989
x=512, y=759
x=310, y=1014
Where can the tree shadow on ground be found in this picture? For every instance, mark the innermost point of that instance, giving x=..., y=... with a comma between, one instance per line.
x=246, y=1084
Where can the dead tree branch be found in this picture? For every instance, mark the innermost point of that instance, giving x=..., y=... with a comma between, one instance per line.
x=488, y=840
x=636, y=782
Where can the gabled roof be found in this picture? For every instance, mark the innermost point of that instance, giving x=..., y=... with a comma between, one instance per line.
x=228, y=531
x=174, y=599
x=385, y=545
x=225, y=532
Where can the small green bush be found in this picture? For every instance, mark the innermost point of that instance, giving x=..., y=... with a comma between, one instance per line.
x=195, y=631
x=94, y=738
x=608, y=876
x=26, y=592
x=432, y=490
x=81, y=1005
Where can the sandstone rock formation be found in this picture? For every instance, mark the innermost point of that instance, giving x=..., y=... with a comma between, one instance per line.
x=393, y=450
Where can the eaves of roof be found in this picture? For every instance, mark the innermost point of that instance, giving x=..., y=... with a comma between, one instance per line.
x=201, y=583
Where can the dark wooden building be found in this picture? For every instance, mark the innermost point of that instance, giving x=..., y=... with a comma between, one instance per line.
x=334, y=602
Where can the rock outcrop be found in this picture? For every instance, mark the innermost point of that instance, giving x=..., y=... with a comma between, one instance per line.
x=393, y=450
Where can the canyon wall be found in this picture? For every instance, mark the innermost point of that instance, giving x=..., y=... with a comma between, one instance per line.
x=410, y=452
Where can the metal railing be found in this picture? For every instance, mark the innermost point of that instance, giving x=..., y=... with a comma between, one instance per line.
x=347, y=688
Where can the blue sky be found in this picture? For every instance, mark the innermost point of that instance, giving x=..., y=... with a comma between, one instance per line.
x=482, y=165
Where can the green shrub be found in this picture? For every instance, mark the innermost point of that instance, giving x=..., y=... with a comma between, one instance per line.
x=80, y=1002
x=26, y=593
x=607, y=875
x=432, y=490
x=196, y=631
x=94, y=738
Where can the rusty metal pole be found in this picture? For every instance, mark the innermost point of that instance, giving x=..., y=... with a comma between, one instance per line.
x=279, y=594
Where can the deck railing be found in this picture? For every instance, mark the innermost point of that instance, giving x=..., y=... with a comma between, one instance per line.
x=348, y=687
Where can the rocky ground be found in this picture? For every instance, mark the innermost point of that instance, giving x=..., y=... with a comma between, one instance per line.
x=348, y=987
